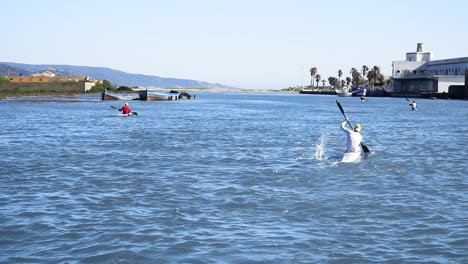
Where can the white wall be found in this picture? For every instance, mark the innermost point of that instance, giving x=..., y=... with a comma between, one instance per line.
x=399, y=67
x=445, y=81
x=418, y=56
x=89, y=85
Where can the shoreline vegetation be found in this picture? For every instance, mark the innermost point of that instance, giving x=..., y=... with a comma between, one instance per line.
x=9, y=94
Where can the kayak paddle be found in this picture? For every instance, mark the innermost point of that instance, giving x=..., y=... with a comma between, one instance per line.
x=364, y=147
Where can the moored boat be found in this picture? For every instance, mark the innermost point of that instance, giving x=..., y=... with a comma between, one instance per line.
x=344, y=93
x=359, y=91
x=153, y=95
x=106, y=95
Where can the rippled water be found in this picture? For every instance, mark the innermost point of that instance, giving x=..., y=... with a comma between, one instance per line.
x=233, y=178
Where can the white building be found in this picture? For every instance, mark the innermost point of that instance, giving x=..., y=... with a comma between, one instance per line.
x=44, y=74
x=420, y=75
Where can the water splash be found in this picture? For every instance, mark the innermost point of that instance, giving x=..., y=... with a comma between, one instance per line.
x=320, y=149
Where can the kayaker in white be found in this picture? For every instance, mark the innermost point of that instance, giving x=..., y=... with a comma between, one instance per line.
x=353, y=137
x=413, y=106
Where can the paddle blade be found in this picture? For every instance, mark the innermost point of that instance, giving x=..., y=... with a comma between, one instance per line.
x=342, y=111
x=339, y=106
x=365, y=148
x=135, y=113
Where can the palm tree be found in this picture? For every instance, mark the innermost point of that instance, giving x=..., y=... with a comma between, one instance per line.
x=332, y=81
x=370, y=76
x=313, y=72
x=348, y=81
x=364, y=70
x=340, y=73
x=317, y=78
x=373, y=75
x=388, y=82
x=376, y=69
x=353, y=74
x=377, y=74
x=356, y=76
x=381, y=78
x=323, y=82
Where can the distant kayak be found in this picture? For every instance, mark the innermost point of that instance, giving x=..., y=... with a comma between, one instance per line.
x=125, y=115
x=350, y=157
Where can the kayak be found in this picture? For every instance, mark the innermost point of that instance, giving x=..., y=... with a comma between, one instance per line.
x=350, y=157
x=125, y=115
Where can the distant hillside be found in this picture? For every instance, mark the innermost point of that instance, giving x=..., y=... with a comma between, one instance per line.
x=116, y=77
x=13, y=71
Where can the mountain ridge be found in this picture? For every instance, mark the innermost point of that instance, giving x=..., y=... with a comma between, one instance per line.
x=116, y=77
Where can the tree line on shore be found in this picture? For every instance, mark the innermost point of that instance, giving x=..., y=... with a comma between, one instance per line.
x=373, y=75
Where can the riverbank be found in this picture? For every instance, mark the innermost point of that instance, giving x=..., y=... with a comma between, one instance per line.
x=11, y=94
x=8, y=94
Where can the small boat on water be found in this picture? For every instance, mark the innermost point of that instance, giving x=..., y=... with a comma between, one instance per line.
x=359, y=91
x=344, y=93
x=147, y=95
x=106, y=95
x=354, y=92
x=154, y=95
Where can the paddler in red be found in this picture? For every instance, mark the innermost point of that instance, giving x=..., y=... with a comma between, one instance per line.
x=125, y=109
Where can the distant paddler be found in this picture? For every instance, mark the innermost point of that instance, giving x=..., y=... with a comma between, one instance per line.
x=125, y=109
x=413, y=106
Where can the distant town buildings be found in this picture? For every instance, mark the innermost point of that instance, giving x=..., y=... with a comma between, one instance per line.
x=48, y=80
x=44, y=74
x=41, y=78
x=420, y=75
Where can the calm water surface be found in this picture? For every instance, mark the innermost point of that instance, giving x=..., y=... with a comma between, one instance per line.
x=233, y=178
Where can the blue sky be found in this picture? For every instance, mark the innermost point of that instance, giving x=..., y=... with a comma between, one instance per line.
x=261, y=44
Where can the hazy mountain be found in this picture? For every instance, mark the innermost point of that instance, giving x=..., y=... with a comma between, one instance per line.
x=12, y=71
x=116, y=77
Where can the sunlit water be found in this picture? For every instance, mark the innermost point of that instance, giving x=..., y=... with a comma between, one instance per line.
x=233, y=178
